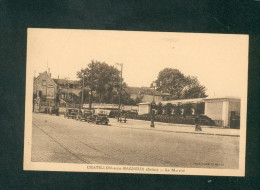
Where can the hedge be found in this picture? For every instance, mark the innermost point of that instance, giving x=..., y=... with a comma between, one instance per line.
x=173, y=119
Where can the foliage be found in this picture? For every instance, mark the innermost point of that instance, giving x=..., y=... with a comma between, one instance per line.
x=177, y=109
x=105, y=84
x=200, y=108
x=105, y=79
x=170, y=81
x=168, y=108
x=173, y=119
x=178, y=85
x=193, y=89
x=187, y=109
x=159, y=108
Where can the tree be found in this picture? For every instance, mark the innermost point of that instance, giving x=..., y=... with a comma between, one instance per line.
x=193, y=89
x=170, y=81
x=179, y=86
x=105, y=81
x=159, y=108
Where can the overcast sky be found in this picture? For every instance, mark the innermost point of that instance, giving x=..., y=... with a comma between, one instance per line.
x=219, y=61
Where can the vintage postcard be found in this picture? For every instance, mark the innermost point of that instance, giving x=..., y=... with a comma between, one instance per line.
x=136, y=102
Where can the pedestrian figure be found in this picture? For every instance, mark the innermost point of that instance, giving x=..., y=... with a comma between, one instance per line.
x=197, y=123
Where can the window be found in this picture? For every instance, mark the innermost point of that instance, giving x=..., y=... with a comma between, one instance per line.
x=43, y=82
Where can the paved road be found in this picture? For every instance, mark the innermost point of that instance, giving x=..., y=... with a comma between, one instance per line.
x=61, y=140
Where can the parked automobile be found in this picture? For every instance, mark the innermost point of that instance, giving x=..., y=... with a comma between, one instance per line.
x=102, y=119
x=54, y=110
x=99, y=117
x=84, y=114
x=71, y=113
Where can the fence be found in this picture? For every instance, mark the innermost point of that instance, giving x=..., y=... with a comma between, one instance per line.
x=190, y=120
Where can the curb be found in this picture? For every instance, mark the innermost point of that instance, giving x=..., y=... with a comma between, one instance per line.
x=200, y=133
x=182, y=125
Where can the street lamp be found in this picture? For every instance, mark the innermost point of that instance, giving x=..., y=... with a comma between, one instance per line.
x=152, y=106
x=120, y=91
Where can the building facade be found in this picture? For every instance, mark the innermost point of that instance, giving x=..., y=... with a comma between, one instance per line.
x=45, y=87
x=49, y=92
x=225, y=111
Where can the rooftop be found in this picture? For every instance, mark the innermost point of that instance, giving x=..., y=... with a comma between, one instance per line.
x=143, y=90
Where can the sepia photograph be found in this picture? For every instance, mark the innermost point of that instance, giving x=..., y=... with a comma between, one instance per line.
x=136, y=102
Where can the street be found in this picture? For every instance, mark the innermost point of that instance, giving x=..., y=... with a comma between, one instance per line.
x=60, y=140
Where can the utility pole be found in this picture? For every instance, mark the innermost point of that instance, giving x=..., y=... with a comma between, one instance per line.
x=91, y=86
x=82, y=96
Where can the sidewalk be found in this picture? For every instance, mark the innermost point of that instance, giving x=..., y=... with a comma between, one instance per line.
x=177, y=128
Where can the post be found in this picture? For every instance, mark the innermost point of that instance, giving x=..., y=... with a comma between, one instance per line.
x=91, y=86
x=152, y=105
x=82, y=98
x=120, y=97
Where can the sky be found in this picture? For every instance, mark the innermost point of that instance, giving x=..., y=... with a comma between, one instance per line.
x=220, y=61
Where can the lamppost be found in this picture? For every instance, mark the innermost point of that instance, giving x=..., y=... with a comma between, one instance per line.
x=120, y=91
x=152, y=106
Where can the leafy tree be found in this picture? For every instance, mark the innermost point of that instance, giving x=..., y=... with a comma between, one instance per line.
x=106, y=80
x=159, y=108
x=105, y=85
x=170, y=81
x=174, y=82
x=193, y=89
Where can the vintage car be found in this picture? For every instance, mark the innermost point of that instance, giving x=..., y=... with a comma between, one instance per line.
x=99, y=117
x=71, y=113
x=84, y=115
x=54, y=110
